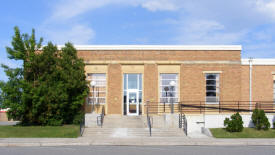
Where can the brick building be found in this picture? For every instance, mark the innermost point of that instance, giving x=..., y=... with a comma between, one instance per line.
x=124, y=77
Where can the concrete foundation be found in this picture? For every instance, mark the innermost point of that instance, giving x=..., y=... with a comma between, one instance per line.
x=165, y=121
x=196, y=123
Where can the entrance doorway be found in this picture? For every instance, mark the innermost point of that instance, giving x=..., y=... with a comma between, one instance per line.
x=132, y=102
x=132, y=94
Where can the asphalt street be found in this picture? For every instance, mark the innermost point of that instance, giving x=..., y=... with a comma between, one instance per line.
x=139, y=150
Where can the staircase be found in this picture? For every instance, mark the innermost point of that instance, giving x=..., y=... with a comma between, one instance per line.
x=129, y=126
x=131, y=132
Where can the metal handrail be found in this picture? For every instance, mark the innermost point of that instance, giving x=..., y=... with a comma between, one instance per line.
x=227, y=106
x=182, y=121
x=203, y=107
x=100, y=118
x=184, y=124
x=82, y=126
x=148, y=119
x=185, y=107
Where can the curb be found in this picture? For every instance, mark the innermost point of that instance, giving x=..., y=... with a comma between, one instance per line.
x=139, y=143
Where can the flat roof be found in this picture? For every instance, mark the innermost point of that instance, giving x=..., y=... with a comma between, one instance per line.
x=259, y=61
x=157, y=47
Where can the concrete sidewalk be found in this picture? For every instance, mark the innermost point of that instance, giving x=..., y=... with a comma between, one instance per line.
x=133, y=141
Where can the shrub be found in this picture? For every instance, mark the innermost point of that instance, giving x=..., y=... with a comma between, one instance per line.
x=273, y=125
x=78, y=118
x=55, y=122
x=235, y=124
x=260, y=120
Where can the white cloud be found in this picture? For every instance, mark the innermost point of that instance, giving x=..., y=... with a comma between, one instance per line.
x=64, y=25
x=76, y=33
x=161, y=5
x=59, y=28
x=193, y=22
x=67, y=9
x=266, y=7
x=206, y=32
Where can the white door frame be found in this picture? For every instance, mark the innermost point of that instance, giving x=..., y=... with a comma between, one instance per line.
x=136, y=91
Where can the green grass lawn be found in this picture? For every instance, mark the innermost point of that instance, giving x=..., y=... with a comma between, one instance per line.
x=246, y=133
x=17, y=131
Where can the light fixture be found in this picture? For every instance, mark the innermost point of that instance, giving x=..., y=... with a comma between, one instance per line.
x=92, y=83
x=172, y=83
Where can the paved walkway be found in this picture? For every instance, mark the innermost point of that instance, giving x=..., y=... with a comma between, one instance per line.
x=9, y=123
x=133, y=141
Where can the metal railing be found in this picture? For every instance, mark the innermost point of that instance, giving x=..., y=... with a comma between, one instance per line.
x=82, y=126
x=162, y=108
x=226, y=106
x=199, y=107
x=100, y=118
x=183, y=123
x=149, y=123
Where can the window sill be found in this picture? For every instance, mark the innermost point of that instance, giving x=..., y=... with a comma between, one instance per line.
x=215, y=103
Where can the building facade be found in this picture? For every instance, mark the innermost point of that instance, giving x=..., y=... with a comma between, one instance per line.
x=123, y=78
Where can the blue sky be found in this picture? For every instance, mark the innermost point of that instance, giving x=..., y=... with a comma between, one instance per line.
x=250, y=23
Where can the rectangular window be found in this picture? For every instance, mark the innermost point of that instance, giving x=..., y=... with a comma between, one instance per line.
x=212, y=88
x=168, y=88
x=274, y=91
x=97, y=93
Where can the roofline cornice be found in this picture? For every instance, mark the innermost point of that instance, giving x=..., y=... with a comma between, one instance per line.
x=158, y=47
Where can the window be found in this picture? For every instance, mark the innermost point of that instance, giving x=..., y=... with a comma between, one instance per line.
x=97, y=93
x=212, y=87
x=274, y=91
x=168, y=88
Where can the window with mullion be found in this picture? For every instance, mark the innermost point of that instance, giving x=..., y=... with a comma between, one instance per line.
x=168, y=88
x=274, y=90
x=212, y=87
x=97, y=94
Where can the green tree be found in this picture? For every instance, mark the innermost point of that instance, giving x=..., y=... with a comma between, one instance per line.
x=51, y=82
x=260, y=120
x=11, y=92
x=76, y=89
x=24, y=48
x=235, y=124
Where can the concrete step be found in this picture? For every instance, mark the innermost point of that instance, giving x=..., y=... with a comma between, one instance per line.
x=132, y=132
x=130, y=129
x=118, y=121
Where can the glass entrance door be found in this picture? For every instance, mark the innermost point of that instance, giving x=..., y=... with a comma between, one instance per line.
x=132, y=94
x=132, y=102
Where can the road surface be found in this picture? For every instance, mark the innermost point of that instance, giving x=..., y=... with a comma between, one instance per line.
x=139, y=150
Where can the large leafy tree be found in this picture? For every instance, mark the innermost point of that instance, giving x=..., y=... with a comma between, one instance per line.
x=51, y=82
